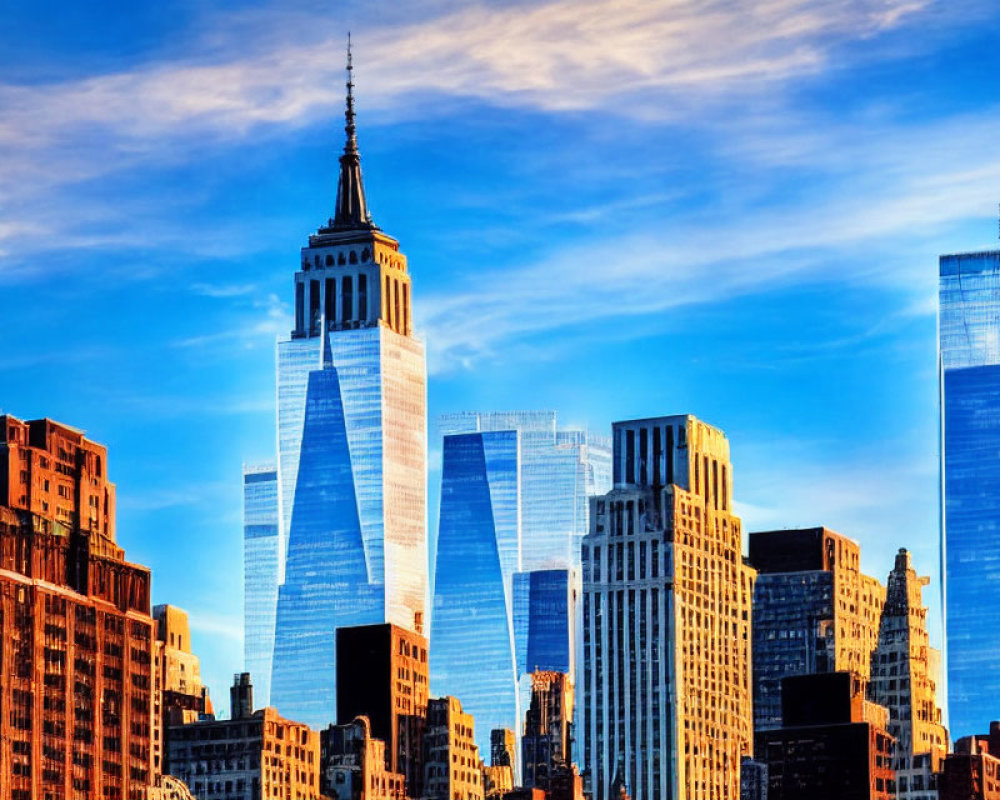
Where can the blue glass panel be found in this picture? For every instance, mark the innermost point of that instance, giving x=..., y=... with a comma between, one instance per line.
x=472, y=638
x=326, y=575
x=260, y=575
x=970, y=362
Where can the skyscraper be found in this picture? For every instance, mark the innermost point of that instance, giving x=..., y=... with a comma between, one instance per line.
x=903, y=680
x=261, y=544
x=352, y=443
x=814, y=611
x=969, y=325
x=513, y=511
x=666, y=619
x=76, y=635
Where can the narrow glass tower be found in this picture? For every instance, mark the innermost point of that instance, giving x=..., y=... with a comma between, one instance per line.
x=352, y=450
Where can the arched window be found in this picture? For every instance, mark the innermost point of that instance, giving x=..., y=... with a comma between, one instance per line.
x=398, y=319
x=362, y=297
x=331, y=300
x=341, y=260
x=353, y=257
x=329, y=260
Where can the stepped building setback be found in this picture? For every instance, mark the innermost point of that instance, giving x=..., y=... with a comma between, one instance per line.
x=76, y=635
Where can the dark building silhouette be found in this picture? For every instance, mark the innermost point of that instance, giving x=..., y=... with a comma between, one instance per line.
x=382, y=674
x=833, y=744
x=76, y=635
x=972, y=772
x=547, y=741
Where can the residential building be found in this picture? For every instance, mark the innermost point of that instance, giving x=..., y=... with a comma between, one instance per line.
x=179, y=695
x=261, y=553
x=666, y=619
x=452, y=768
x=814, y=611
x=76, y=635
x=903, y=681
x=252, y=755
x=833, y=743
x=969, y=367
x=546, y=745
x=382, y=676
x=972, y=772
x=353, y=764
x=514, y=490
x=352, y=451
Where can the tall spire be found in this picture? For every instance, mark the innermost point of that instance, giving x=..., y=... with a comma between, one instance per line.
x=352, y=210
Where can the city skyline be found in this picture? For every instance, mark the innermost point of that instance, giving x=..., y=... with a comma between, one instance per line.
x=819, y=325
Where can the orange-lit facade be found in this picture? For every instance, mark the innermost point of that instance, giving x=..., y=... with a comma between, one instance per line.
x=76, y=636
x=666, y=619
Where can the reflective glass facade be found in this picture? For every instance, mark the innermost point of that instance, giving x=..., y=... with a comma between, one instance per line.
x=472, y=649
x=970, y=391
x=260, y=573
x=560, y=469
x=374, y=388
x=521, y=485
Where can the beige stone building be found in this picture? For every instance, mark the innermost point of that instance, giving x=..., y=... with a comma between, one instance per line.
x=666, y=623
x=452, y=768
x=904, y=680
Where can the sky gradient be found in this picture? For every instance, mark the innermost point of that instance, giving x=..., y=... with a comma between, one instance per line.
x=611, y=209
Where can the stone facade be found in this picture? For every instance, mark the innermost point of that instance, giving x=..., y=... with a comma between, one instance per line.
x=452, y=769
x=903, y=681
x=76, y=636
x=666, y=620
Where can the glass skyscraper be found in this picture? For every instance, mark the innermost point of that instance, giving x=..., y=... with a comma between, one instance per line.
x=260, y=572
x=514, y=493
x=352, y=444
x=969, y=327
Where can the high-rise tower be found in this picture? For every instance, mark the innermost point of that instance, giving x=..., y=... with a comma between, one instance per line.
x=969, y=326
x=352, y=444
x=666, y=619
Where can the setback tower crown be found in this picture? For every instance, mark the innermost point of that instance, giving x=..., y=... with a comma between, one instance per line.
x=352, y=274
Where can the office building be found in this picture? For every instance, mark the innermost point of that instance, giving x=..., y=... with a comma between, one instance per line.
x=903, y=680
x=261, y=548
x=351, y=461
x=833, y=743
x=513, y=511
x=76, y=635
x=814, y=611
x=666, y=619
x=972, y=772
x=452, y=768
x=353, y=764
x=252, y=755
x=382, y=675
x=179, y=695
x=970, y=482
x=546, y=745
x=559, y=468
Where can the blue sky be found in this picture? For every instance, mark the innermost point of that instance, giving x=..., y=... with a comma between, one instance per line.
x=611, y=208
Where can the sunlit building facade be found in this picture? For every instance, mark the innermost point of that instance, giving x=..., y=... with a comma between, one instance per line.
x=814, y=611
x=352, y=444
x=666, y=695
x=969, y=324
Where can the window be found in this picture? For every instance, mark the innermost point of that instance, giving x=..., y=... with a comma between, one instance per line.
x=347, y=299
x=362, y=297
